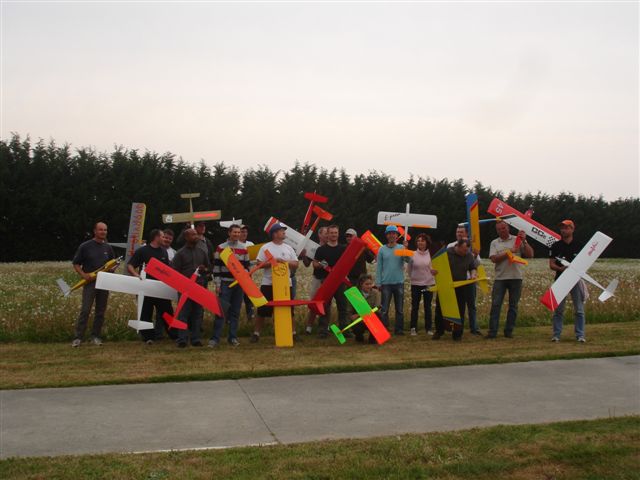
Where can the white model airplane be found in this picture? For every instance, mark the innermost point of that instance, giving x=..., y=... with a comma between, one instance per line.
x=577, y=270
x=142, y=287
x=406, y=219
x=228, y=223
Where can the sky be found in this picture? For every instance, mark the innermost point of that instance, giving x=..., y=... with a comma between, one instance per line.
x=524, y=96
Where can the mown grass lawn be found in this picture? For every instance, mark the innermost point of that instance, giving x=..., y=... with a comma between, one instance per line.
x=606, y=449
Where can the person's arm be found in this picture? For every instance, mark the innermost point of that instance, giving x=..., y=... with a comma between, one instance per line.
x=132, y=271
x=494, y=256
x=82, y=273
x=379, y=267
x=526, y=250
x=553, y=265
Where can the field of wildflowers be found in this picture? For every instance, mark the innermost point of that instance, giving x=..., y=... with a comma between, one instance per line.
x=33, y=309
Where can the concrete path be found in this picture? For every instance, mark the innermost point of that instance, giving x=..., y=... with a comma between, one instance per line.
x=218, y=414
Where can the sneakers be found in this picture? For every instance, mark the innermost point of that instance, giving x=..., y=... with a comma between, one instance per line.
x=582, y=340
x=234, y=342
x=430, y=332
x=97, y=341
x=477, y=333
x=399, y=333
x=76, y=342
x=555, y=339
x=413, y=332
x=149, y=342
x=212, y=343
x=308, y=330
x=255, y=338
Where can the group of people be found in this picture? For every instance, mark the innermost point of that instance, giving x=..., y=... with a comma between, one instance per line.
x=198, y=254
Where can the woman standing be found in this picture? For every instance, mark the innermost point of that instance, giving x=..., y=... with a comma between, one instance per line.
x=421, y=275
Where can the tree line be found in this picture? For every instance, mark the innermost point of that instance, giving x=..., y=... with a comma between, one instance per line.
x=51, y=195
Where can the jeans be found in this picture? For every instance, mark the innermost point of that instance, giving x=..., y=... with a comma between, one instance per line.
x=500, y=287
x=397, y=291
x=470, y=300
x=341, y=303
x=419, y=292
x=233, y=297
x=161, y=305
x=578, y=307
x=191, y=314
x=90, y=294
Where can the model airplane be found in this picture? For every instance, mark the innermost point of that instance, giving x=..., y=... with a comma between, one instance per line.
x=371, y=242
x=405, y=220
x=191, y=216
x=520, y=221
x=134, y=235
x=445, y=286
x=142, y=287
x=187, y=287
x=109, y=265
x=367, y=315
x=313, y=199
x=243, y=277
x=228, y=223
x=576, y=270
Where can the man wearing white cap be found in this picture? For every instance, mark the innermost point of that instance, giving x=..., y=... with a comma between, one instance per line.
x=282, y=253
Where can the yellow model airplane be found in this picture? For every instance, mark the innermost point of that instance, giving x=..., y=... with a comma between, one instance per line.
x=191, y=216
x=107, y=267
x=445, y=286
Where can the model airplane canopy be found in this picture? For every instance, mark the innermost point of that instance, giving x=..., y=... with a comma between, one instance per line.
x=191, y=216
x=520, y=221
x=577, y=270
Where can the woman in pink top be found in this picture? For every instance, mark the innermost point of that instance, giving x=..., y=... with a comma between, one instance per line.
x=421, y=275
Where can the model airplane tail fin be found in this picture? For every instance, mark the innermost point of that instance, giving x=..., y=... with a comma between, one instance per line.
x=140, y=325
x=66, y=289
x=549, y=300
x=336, y=331
x=608, y=292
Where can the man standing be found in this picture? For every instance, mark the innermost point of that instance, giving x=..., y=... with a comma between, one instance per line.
x=167, y=240
x=390, y=278
x=360, y=267
x=142, y=256
x=282, y=253
x=222, y=280
x=90, y=256
x=567, y=249
x=508, y=277
x=188, y=259
x=326, y=257
x=471, y=292
x=463, y=266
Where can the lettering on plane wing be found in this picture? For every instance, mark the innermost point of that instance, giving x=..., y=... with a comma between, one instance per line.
x=169, y=219
x=499, y=208
x=593, y=248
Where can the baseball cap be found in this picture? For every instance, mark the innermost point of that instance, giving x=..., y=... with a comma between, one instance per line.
x=276, y=226
x=568, y=223
x=351, y=231
x=391, y=228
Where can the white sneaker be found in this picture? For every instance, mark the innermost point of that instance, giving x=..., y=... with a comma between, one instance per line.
x=97, y=341
x=429, y=332
x=212, y=344
x=413, y=332
x=582, y=340
x=308, y=330
x=76, y=342
x=555, y=339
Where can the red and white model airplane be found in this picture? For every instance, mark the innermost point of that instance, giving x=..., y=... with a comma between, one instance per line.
x=521, y=221
x=577, y=270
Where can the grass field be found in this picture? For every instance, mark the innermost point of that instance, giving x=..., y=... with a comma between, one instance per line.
x=32, y=308
x=606, y=449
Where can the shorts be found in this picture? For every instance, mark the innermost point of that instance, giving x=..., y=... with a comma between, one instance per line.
x=266, y=311
x=315, y=285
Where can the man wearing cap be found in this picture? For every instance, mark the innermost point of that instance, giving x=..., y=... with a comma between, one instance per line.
x=390, y=278
x=281, y=252
x=326, y=257
x=567, y=249
x=508, y=277
x=360, y=267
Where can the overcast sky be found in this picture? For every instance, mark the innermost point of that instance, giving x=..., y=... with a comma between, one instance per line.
x=520, y=96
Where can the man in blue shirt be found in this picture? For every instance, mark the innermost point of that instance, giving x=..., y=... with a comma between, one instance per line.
x=390, y=278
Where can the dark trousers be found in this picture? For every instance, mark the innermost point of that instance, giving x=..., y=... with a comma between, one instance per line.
x=191, y=314
x=341, y=303
x=500, y=287
x=90, y=294
x=419, y=293
x=461, y=296
x=161, y=305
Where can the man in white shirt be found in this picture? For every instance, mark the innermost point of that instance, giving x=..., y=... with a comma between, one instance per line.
x=281, y=252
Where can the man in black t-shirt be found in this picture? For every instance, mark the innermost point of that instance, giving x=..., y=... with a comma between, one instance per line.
x=567, y=249
x=142, y=256
x=90, y=256
x=326, y=257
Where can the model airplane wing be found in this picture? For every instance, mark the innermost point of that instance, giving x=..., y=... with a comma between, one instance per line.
x=228, y=223
x=135, y=286
x=371, y=242
x=403, y=219
x=295, y=239
x=473, y=217
x=576, y=270
x=445, y=288
x=520, y=221
x=242, y=277
x=191, y=216
x=369, y=317
x=184, y=285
